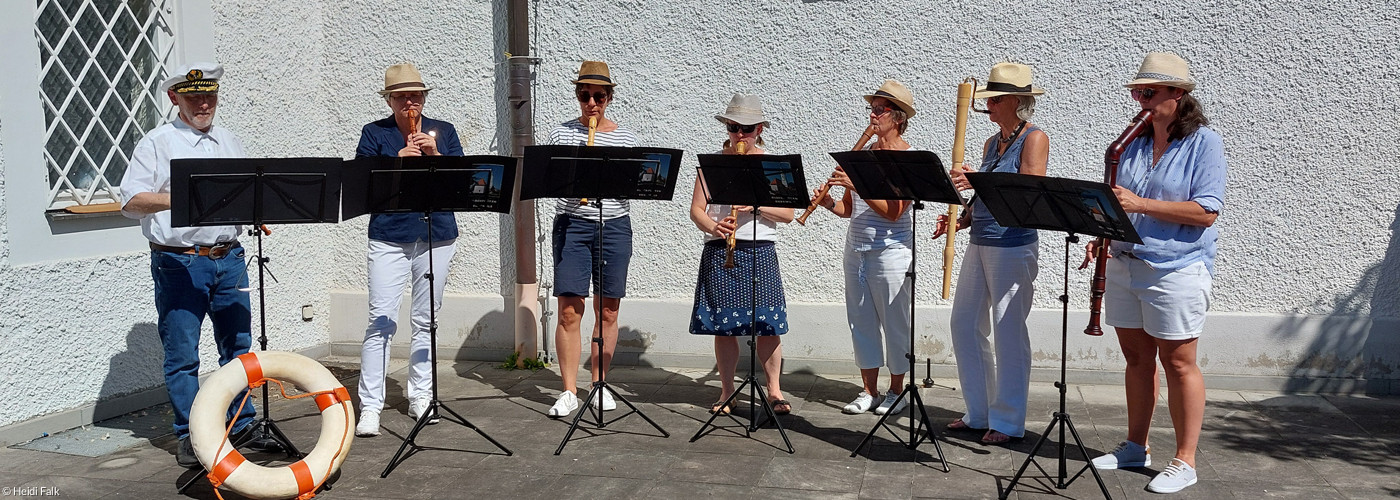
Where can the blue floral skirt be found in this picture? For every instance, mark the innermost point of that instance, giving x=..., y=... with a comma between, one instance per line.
x=723, y=297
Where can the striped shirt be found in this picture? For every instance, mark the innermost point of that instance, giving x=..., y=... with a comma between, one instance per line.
x=870, y=231
x=573, y=132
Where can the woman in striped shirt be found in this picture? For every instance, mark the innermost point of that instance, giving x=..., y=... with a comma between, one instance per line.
x=877, y=258
x=576, y=244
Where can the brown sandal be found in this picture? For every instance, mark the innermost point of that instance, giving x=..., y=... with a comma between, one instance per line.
x=996, y=437
x=959, y=425
x=719, y=408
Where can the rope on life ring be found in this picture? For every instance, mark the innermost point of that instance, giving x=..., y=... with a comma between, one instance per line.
x=228, y=467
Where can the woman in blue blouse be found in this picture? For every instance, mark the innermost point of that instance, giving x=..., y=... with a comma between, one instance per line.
x=1171, y=181
x=998, y=270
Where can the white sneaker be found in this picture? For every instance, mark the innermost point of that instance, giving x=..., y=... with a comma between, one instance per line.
x=885, y=406
x=862, y=404
x=1127, y=454
x=563, y=406
x=368, y=426
x=1176, y=477
x=609, y=404
x=418, y=406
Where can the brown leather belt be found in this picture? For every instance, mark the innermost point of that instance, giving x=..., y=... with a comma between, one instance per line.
x=214, y=252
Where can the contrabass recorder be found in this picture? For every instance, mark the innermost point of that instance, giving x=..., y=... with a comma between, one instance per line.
x=959, y=146
x=1110, y=174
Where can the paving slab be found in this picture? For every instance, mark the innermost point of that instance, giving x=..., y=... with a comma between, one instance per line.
x=1253, y=445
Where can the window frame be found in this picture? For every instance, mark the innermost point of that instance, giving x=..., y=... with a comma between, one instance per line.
x=32, y=233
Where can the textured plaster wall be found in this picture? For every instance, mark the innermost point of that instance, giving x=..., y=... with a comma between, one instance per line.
x=1308, y=239
x=1305, y=169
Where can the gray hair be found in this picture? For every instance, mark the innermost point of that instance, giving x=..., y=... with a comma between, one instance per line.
x=1025, y=108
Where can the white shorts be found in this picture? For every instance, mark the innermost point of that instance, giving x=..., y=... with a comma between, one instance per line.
x=1169, y=305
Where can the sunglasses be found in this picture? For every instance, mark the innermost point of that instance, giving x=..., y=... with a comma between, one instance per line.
x=598, y=97
x=1143, y=94
x=878, y=110
x=735, y=128
x=996, y=99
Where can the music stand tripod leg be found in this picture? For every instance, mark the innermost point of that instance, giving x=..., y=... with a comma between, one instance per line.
x=431, y=412
x=602, y=383
x=1061, y=418
x=757, y=395
x=916, y=403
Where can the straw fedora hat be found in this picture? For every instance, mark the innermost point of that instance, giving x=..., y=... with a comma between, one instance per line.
x=1008, y=79
x=594, y=73
x=1164, y=68
x=403, y=78
x=897, y=93
x=743, y=109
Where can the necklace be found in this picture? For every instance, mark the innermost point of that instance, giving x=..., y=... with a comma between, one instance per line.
x=1014, y=134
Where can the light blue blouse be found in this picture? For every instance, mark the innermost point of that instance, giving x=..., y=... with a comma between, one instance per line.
x=1192, y=169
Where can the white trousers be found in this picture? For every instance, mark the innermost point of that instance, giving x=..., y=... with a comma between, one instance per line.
x=391, y=267
x=994, y=298
x=877, y=299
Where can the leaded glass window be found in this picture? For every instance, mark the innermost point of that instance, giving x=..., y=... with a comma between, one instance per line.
x=101, y=62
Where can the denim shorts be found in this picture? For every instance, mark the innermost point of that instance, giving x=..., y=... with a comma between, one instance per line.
x=575, y=251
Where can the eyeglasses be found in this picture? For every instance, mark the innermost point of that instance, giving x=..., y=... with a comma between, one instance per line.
x=735, y=128
x=598, y=97
x=995, y=99
x=416, y=96
x=1143, y=94
x=878, y=110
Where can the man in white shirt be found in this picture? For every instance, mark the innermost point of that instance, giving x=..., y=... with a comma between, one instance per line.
x=197, y=271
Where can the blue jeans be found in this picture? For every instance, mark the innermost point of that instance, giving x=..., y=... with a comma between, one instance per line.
x=188, y=288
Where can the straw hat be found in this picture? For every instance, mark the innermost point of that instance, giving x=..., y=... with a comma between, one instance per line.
x=1164, y=68
x=594, y=73
x=403, y=78
x=743, y=109
x=897, y=93
x=195, y=78
x=1008, y=79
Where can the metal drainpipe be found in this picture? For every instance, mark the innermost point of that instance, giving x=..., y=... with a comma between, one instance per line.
x=528, y=324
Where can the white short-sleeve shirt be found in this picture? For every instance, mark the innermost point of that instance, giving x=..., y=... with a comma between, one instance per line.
x=149, y=172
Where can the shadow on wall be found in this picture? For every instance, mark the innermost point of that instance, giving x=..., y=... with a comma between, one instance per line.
x=135, y=369
x=1356, y=343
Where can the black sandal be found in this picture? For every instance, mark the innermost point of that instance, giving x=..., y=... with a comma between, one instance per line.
x=781, y=402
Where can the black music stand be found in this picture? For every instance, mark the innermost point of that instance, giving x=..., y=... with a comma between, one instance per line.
x=427, y=185
x=1073, y=207
x=594, y=173
x=903, y=175
x=255, y=191
x=758, y=181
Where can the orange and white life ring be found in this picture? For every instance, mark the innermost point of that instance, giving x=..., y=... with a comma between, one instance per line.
x=227, y=466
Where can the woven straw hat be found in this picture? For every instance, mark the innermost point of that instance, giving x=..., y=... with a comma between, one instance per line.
x=1164, y=68
x=1008, y=79
x=897, y=93
x=403, y=78
x=594, y=73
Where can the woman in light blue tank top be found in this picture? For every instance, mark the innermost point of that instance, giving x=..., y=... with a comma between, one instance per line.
x=999, y=270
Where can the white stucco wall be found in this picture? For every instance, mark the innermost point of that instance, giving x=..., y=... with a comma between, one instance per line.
x=1308, y=238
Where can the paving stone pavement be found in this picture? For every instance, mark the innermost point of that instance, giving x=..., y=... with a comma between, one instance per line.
x=1254, y=445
